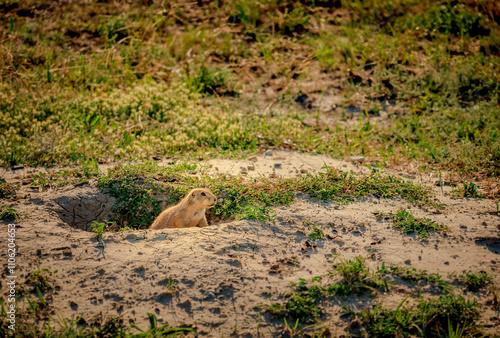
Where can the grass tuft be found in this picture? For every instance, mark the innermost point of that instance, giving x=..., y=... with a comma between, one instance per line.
x=422, y=227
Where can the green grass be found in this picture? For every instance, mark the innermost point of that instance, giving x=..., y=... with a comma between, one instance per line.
x=100, y=228
x=475, y=282
x=416, y=276
x=409, y=224
x=302, y=303
x=42, y=280
x=316, y=233
x=356, y=278
x=468, y=190
x=6, y=189
x=8, y=213
x=26, y=325
x=147, y=84
x=430, y=317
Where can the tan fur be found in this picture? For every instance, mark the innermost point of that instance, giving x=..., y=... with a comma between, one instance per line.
x=190, y=212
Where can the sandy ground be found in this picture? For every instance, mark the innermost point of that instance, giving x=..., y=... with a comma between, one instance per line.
x=224, y=272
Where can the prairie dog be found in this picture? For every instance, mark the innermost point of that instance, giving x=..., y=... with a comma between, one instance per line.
x=190, y=212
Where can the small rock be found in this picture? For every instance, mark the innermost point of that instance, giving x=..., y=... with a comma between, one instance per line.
x=408, y=262
x=251, y=167
x=277, y=165
x=268, y=153
x=244, y=170
x=304, y=171
x=358, y=159
x=253, y=159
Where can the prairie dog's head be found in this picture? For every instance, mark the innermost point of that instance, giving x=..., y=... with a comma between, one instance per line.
x=202, y=197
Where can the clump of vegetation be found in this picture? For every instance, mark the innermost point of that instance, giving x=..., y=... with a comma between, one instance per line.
x=316, y=233
x=8, y=213
x=413, y=275
x=343, y=186
x=468, y=190
x=6, y=189
x=422, y=227
x=356, y=278
x=28, y=325
x=42, y=280
x=475, y=282
x=154, y=330
x=302, y=304
x=204, y=79
x=135, y=206
x=427, y=318
x=100, y=228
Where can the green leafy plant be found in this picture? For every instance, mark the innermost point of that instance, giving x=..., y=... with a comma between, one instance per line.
x=469, y=190
x=7, y=212
x=302, y=304
x=100, y=228
x=41, y=279
x=135, y=206
x=409, y=224
x=356, y=278
x=413, y=275
x=316, y=233
x=475, y=282
x=6, y=189
x=429, y=317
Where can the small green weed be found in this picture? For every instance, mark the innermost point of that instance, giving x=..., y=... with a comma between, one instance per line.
x=453, y=308
x=356, y=278
x=100, y=228
x=422, y=227
x=468, y=190
x=204, y=79
x=413, y=275
x=171, y=284
x=6, y=189
x=316, y=233
x=162, y=331
x=475, y=282
x=302, y=305
x=42, y=280
x=8, y=213
x=381, y=322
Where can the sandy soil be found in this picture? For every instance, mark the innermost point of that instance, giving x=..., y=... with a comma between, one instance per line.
x=224, y=272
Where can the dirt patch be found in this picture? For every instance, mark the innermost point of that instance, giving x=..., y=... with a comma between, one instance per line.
x=81, y=206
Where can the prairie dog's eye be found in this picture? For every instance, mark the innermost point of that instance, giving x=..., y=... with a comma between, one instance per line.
x=203, y=194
